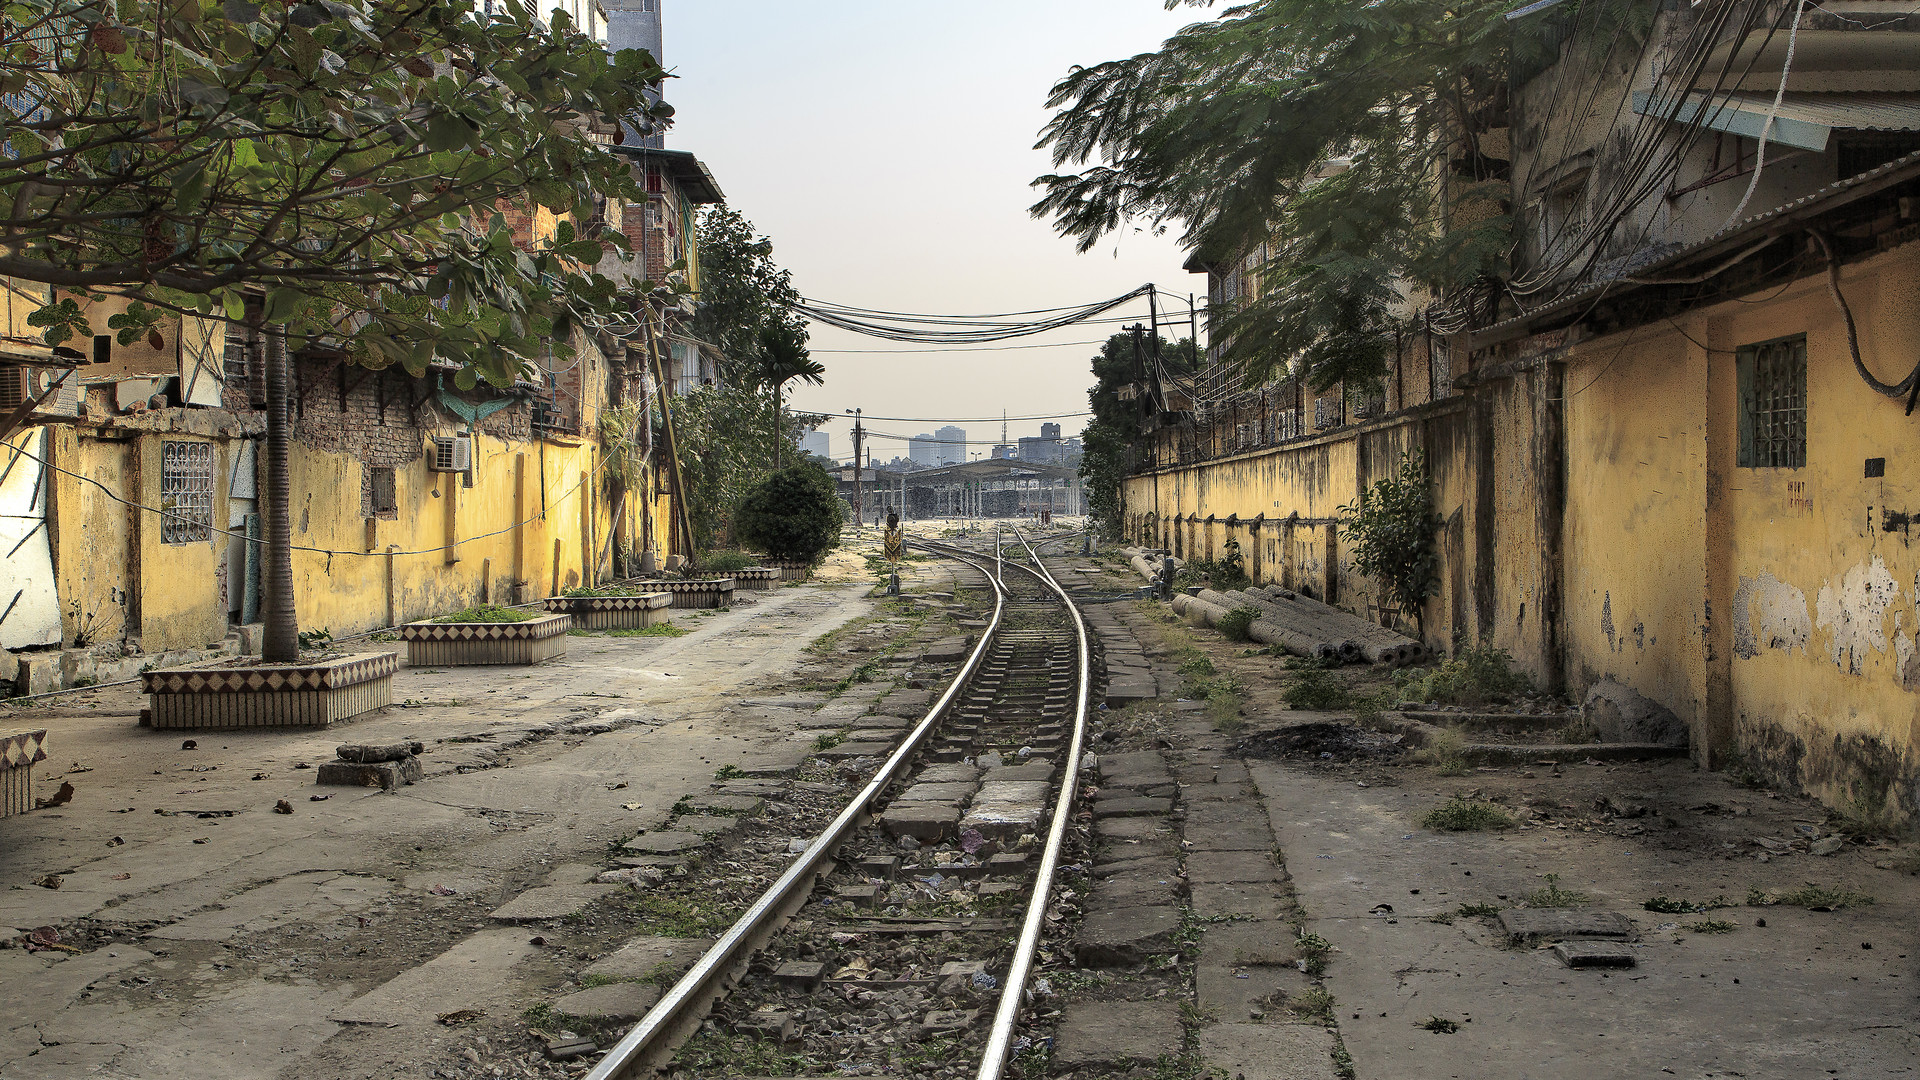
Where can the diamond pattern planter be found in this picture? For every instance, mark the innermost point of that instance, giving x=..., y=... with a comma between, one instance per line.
x=700, y=594
x=790, y=569
x=758, y=577
x=276, y=695
x=432, y=644
x=18, y=751
x=612, y=612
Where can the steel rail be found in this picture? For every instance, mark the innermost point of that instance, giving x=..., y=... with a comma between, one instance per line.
x=679, y=1012
x=1000, y=1037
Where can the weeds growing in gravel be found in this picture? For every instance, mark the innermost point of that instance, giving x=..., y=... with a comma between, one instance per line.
x=1476, y=911
x=828, y=741
x=1810, y=896
x=1553, y=896
x=676, y=916
x=1465, y=815
x=1447, y=752
x=1314, y=950
x=1439, y=1025
x=1710, y=926
x=1313, y=1003
x=1667, y=905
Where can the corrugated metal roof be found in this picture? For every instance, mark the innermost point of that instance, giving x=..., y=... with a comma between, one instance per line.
x=1893, y=172
x=1805, y=120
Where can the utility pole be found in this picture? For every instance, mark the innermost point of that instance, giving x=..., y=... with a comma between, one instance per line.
x=858, y=434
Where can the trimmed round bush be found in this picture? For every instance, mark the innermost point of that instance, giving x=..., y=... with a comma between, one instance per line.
x=793, y=514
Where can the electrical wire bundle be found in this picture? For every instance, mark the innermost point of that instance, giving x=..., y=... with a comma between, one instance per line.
x=925, y=329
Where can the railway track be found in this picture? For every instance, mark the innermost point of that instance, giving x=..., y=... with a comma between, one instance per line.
x=910, y=923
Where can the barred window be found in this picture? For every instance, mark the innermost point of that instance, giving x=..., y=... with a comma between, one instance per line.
x=382, y=494
x=186, y=492
x=1773, y=404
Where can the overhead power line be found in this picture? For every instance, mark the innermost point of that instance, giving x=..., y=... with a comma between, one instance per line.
x=950, y=330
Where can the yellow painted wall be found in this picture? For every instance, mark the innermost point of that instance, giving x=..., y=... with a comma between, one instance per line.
x=447, y=539
x=1636, y=504
x=1287, y=501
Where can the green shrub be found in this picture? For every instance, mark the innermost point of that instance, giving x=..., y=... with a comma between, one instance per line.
x=487, y=613
x=1476, y=675
x=1316, y=690
x=1553, y=896
x=726, y=562
x=793, y=514
x=1237, y=624
x=1465, y=815
x=1391, y=532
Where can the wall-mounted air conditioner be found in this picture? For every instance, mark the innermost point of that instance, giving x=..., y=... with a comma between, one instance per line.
x=451, y=453
x=19, y=384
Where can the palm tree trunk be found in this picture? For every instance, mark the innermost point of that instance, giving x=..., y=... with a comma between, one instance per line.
x=281, y=644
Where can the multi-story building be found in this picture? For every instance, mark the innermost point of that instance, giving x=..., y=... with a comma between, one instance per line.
x=1663, y=451
x=924, y=451
x=129, y=504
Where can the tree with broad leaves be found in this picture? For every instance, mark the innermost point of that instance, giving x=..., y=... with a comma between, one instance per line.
x=345, y=162
x=1347, y=138
x=1110, y=435
x=742, y=291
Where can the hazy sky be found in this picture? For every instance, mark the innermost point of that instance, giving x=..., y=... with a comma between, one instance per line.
x=886, y=147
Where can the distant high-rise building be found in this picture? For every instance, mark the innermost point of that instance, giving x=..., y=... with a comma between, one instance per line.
x=1049, y=431
x=817, y=444
x=923, y=451
x=952, y=445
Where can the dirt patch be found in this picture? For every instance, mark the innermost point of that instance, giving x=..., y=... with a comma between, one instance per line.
x=1321, y=741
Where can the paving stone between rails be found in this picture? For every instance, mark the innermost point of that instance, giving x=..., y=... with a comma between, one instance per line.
x=1269, y=1051
x=1218, y=867
x=643, y=958
x=1007, y=808
x=551, y=902
x=1116, y=1034
x=953, y=772
x=669, y=842
x=1125, y=937
x=620, y=1001
x=1132, y=806
x=1558, y=924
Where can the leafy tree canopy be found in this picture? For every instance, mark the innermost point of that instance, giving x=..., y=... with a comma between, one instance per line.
x=743, y=293
x=343, y=159
x=1110, y=436
x=793, y=514
x=1321, y=130
x=724, y=451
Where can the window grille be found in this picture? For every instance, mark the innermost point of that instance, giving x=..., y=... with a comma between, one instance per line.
x=186, y=492
x=1773, y=404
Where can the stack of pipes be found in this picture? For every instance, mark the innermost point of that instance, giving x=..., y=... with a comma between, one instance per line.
x=1303, y=626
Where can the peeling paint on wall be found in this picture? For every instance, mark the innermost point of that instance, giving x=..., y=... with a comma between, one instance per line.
x=1769, y=613
x=1856, y=612
x=1907, y=661
x=1606, y=619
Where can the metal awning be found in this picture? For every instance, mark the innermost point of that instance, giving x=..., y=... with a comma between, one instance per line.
x=1805, y=120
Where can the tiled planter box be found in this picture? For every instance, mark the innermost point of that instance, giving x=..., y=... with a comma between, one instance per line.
x=790, y=569
x=612, y=612
x=18, y=751
x=432, y=644
x=271, y=695
x=758, y=577
x=699, y=594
